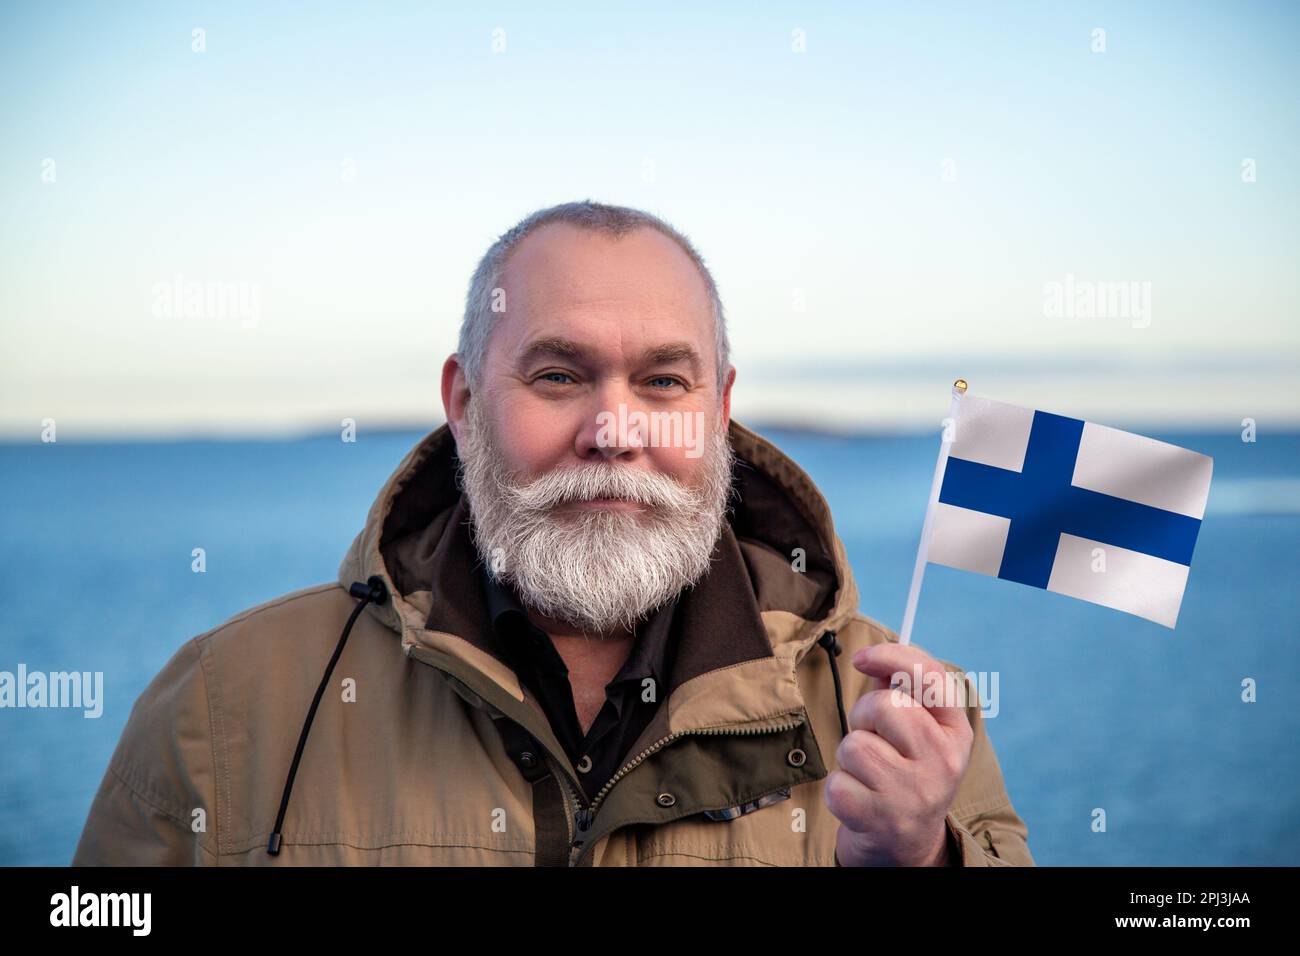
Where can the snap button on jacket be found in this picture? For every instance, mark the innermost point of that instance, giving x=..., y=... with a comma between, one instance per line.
x=437, y=755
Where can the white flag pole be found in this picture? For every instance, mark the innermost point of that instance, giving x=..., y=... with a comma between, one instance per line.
x=927, y=527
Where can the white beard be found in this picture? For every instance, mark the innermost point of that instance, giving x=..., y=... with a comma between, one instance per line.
x=600, y=571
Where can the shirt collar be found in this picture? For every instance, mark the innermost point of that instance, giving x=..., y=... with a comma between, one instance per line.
x=716, y=624
x=523, y=644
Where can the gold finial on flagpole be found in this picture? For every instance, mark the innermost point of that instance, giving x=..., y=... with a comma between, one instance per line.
x=959, y=386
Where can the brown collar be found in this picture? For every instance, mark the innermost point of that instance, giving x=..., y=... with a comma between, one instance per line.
x=719, y=618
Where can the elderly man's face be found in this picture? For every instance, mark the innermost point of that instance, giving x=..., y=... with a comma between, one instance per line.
x=594, y=451
x=592, y=324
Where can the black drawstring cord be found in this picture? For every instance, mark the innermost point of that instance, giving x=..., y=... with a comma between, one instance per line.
x=372, y=591
x=832, y=645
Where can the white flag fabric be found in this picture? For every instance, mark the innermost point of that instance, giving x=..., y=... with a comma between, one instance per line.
x=1073, y=507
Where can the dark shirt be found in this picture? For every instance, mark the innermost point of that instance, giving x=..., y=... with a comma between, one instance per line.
x=605, y=748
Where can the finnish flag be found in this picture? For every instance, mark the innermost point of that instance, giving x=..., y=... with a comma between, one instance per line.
x=1066, y=505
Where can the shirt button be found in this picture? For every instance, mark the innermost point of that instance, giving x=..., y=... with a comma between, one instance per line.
x=584, y=765
x=665, y=799
x=796, y=757
x=527, y=760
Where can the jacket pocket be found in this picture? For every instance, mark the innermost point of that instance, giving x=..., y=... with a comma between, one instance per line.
x=740, y=809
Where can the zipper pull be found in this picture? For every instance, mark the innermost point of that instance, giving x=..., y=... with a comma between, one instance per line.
x=582, y=820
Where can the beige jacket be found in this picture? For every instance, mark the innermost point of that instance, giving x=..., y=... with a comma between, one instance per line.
x=426, y=749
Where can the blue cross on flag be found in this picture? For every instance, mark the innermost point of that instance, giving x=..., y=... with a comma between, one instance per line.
x=1062, y=504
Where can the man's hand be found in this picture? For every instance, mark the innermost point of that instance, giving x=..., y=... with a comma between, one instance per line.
x=901, y=764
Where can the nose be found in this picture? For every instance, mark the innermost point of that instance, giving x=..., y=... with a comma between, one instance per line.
x=614, y=427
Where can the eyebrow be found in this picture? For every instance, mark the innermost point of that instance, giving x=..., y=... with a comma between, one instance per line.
x=559, y=347
x=551, y=346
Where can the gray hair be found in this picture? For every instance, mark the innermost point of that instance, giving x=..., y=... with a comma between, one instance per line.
x=614, y=221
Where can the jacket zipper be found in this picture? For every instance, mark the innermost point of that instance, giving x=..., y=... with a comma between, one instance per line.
x=583, y=818
x=558, y=765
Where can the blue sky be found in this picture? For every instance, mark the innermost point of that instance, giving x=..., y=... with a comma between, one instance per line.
x=888, y=204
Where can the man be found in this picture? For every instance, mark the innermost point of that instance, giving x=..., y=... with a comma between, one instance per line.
x=590, y=621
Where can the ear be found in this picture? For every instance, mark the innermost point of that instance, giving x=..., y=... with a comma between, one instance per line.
x=726, y=396
x=455, y=394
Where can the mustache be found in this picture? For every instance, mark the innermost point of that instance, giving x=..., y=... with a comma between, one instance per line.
x=569, y=484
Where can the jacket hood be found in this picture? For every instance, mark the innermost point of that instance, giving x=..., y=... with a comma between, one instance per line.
x=778, y=517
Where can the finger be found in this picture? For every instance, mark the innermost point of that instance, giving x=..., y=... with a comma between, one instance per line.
x=850, y=801
x=871, y=759
x=898, y=718
x=888, y=660
x=923, y=677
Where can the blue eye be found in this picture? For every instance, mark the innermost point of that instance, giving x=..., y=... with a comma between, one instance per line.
x=555, y=377
x=665, y=378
